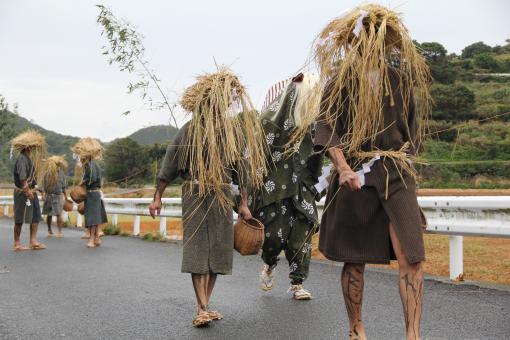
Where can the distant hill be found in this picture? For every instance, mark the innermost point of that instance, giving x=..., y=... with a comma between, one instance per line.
x=160, y=134
x=57, y=143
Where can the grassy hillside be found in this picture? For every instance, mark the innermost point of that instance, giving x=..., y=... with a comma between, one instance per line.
x=157, y=134
x=57, y=143
x=468, y=145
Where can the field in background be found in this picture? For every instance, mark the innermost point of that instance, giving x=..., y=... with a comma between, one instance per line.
x=485, y=259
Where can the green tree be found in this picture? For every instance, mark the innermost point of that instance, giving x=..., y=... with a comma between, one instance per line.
x=433, y=51
x=125, y=48
x=125, y=159
x=453, y=102
x=440, y=65
x=487, y=62
x=474, y=49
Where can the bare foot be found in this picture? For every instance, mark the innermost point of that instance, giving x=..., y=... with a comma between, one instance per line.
x=19, y=247
x=357, y=333
x=37, y=246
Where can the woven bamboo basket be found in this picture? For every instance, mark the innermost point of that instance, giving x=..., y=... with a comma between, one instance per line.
x=78, y=193
x=248, y=236
x=68, y=205
x=81, y=208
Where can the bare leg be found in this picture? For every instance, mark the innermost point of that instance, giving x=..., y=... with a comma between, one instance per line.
x=211, y=280
x=92, y=233
x=200, y=286
x=48, y=221
x=352, y=287
x=60, y=224
x=411, y=288
x=33, y=233
x=17, y=235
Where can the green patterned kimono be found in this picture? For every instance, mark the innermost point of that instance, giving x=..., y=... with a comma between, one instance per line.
x=286, y=204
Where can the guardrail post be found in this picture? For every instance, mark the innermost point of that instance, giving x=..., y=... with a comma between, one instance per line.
x=456, y=258
x=136, y=226
x=115, y=219
x=162, y=226
x=79, y=220
x=6, y=210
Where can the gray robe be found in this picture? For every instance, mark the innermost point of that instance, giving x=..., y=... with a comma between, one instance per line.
x=25, y=210
x=54, y=200
x=208, y=236
x=95, y=213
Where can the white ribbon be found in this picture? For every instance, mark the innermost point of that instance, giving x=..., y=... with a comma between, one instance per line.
x=365, y=169
x=359, y=23
x=11, y=152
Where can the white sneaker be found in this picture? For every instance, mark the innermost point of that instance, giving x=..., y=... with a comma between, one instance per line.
x=299, y=293
x=266, y=278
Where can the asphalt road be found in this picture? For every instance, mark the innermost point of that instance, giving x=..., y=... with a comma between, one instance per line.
x=133, y=289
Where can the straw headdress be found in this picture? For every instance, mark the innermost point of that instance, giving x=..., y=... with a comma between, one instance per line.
x=304, y=103
x=34, y=141
x=354, y=53
x=224, y=133
x=52, y=165
x=87, y=149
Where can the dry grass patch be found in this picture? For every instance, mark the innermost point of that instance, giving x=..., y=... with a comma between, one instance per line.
x=485, y=259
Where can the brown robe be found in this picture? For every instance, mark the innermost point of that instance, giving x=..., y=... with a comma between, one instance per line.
x=208, y=236
x=354, y=226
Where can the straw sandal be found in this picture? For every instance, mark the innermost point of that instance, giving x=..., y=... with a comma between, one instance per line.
x=215, y=315
x=202, y=319
x=91, y=245
x=20, y=248
x=38, y=246
x=97, y=241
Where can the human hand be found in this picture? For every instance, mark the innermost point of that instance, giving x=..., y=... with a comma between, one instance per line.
x=155, y=207
x=244, y=212
x=350, y=180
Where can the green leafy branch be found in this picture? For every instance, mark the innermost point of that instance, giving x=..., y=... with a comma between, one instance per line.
x=125, y=48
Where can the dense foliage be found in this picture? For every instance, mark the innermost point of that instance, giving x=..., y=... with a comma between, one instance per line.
x=469, y=138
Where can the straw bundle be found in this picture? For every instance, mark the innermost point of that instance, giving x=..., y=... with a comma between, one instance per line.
x=224, y=133
x=34, y=141
x=88, y=149
x=52, y=165
x=353, y=53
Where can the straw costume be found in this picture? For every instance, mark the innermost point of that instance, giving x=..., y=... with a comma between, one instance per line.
x=219, y=145
x=54, y=185
x=29, y=148
x=286, y=204
x=375, y=88
x=89, y=150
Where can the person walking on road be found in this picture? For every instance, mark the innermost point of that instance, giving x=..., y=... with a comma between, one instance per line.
x=54, y=186
x=89, y=150
x=29, y=147
x=210, y=152
x=375, y=92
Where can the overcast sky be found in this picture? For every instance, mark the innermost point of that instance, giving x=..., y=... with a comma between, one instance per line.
x=51, y=62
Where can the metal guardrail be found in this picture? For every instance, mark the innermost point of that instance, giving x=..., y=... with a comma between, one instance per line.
x=455, y=216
